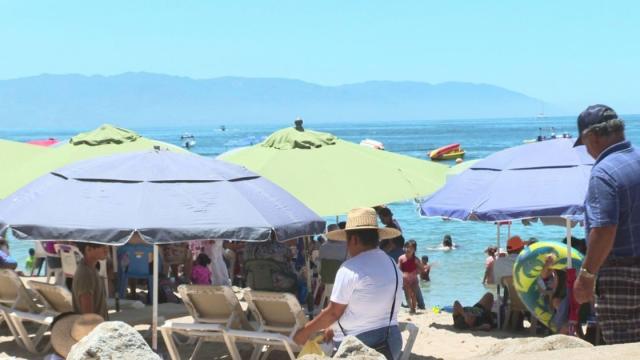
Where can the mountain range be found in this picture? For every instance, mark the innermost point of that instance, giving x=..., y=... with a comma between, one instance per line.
x=146, y=99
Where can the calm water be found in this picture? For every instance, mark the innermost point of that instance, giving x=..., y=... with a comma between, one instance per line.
x=456, y=274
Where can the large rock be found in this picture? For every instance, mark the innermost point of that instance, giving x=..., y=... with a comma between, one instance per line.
x=350, y=348
x=112, y=340
x=528, y=345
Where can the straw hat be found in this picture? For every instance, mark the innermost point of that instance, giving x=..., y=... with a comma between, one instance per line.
x=68, y=329
x=363, y=219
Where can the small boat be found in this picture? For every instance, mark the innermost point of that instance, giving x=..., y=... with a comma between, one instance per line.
x=372, y=144
x=187, y=136
x=223, y=128
x=44, y=142
x=547, y=134
x=447, y=152
x=189, y=143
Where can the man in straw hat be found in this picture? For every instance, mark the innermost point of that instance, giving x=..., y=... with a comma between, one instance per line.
x=367, y=290
x=69, y=328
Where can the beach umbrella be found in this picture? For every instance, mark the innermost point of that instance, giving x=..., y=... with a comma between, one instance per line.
x=105, y=140
x=459, y=168
x=163, y=196
x=545, y=180
x=542, y=179
x=15, y=156
x=333, y=176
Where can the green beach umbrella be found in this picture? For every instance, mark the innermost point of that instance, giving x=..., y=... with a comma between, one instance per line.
x=333, y=176
x=26, y=163
x=458, y=168
x=15, y=156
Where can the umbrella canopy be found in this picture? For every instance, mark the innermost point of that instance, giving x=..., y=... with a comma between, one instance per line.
x=333, y=176
x=543, y=179
x=105, y=140
x=14, y=156
x=164, y=196
x=458, y=168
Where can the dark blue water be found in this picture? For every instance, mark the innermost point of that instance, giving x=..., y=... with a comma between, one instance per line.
x=456, y=274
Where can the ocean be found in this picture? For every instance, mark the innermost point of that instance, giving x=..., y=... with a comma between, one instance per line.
x=455, y=274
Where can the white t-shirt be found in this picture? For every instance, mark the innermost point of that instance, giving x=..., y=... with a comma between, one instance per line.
x=503, y=266
x=366, y=284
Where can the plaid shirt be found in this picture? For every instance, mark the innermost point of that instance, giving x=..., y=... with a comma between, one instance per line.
x=613, y=197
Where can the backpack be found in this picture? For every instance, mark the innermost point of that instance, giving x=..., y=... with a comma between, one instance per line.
x=270, y=275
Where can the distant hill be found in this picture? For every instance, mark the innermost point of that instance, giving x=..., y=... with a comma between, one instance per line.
x=144, y=99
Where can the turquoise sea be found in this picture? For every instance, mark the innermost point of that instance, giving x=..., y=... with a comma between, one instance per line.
x=456, y=274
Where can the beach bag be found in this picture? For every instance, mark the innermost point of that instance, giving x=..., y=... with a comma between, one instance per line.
x=312, y=347
x=269, y=275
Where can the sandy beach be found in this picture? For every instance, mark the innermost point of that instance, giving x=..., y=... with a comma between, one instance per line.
x=437, y=339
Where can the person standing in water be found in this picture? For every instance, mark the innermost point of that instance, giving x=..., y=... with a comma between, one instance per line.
x=411, y=267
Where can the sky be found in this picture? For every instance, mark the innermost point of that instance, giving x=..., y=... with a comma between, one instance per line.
x=569, y=53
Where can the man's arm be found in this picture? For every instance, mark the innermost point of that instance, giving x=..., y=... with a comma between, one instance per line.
x=600, y=244
x=86, y=303
x=327, y=317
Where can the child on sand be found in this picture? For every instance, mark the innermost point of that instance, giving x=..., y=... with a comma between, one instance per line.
x=200, y=274
x=410, y=267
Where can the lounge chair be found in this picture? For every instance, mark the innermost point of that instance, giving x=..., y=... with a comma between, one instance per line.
x=412, y=329
x=18, y=306
x=57, y=299
x=212, y=309
x=279, y=317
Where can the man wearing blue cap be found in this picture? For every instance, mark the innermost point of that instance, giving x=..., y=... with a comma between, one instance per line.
x=612, y=214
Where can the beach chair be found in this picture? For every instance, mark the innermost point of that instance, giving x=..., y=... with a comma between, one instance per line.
x=69, y=257
x=57, y=299
x=279, y=317
x=412, y=329
x=516, y=308
x=212, y=309
x=17, y=307
x=40, y=259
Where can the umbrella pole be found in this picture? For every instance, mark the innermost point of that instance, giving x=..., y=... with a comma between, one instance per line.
x=498, y=282
x=307, y=255
x=569, y=260
x=154, y=321
x=114, y=261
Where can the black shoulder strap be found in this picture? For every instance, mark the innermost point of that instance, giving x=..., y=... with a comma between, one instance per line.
x=393, y=304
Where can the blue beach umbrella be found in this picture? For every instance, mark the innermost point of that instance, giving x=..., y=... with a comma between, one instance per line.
x=164, y=196
x=543, y=179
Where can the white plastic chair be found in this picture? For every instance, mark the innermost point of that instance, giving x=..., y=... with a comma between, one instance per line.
x=69, y=257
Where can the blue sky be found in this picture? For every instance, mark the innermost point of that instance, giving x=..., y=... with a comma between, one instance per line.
x=571, y=53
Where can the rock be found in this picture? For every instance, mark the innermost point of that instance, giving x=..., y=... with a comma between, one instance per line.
x=352, y=348
x=527, y=345
x=112, y=340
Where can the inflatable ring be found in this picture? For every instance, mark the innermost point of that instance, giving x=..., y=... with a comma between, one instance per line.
x=528, y=267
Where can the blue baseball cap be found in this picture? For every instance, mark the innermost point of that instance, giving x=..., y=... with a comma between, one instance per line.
x=594, y=114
